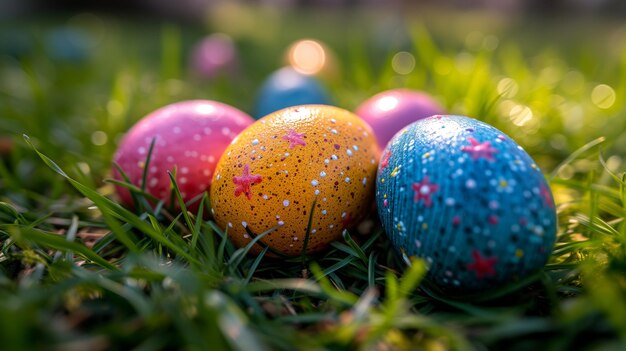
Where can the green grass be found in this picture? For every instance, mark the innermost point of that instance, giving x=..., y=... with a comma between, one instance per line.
x=79, y=271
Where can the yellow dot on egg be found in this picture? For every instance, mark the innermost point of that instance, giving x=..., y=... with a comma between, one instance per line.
x=424, y=226
x=534, y=166
x=382, y=180
x=394, y=172
x=519, y=252
x=385, y=196
x=503, y=183
x=426, y=155
x=141, y=164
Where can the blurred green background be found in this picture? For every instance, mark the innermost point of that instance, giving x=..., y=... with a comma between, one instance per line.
x=550, y=76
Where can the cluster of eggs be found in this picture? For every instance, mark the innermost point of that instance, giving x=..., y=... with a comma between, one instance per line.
x=449, y=189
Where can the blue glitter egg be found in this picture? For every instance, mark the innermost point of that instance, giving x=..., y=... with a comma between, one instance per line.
x=285, y=88
x=69, y=45
x=467, y=199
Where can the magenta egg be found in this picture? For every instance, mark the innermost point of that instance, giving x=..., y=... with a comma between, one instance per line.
x=189, y=136
x=392, y=110
x=214, y=55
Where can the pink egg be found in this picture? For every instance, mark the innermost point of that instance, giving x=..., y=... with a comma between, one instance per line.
x=392, y=110
x=188, y=135
x=214, y=55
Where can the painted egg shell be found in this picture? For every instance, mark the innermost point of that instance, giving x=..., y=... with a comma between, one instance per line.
x=311, y=161
x=69, y=45
x=213, y=55
x=469, y=200
x=189, y=135
x=287, y=87
x=392, y=110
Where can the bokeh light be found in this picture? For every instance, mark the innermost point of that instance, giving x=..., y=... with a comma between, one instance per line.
x=603, y=96
x=403, y=62
x=307, y=56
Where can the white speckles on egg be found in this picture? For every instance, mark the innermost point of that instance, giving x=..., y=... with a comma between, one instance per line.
x=364, y=181
x=281, y=223
x=183, y=180
x=225, y=131
x=244, y=224
x=470, y=183
x=176, y=130
x=153, y=182
x=296, y=162
x=207, y=131
x=349, y=152
x=477, y=196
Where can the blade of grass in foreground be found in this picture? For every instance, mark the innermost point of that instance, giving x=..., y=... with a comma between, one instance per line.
x=111, y=209
x=58, y=242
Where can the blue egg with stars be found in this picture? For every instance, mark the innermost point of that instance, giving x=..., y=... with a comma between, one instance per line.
x=287, y=87
x=467, y=199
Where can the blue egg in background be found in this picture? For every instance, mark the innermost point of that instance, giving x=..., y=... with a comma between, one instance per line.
x=287, y=87
x=467, y=199
x=69, y=45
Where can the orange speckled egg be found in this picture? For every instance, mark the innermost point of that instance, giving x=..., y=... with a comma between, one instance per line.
x=310, y=161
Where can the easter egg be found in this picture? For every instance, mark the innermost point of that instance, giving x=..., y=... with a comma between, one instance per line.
x=392, y=110
x=306, y=163
x=69, y=45
x=189, y=136
x=214, y=55
x=287, y=87
x=467, y=199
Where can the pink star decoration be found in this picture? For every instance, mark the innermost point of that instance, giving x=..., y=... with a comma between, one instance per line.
x=547, y=197
x=482, y=266
x=478, y=150
x=245, y=181
x=423, y=191
x=294, y=138
x=384, y=163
